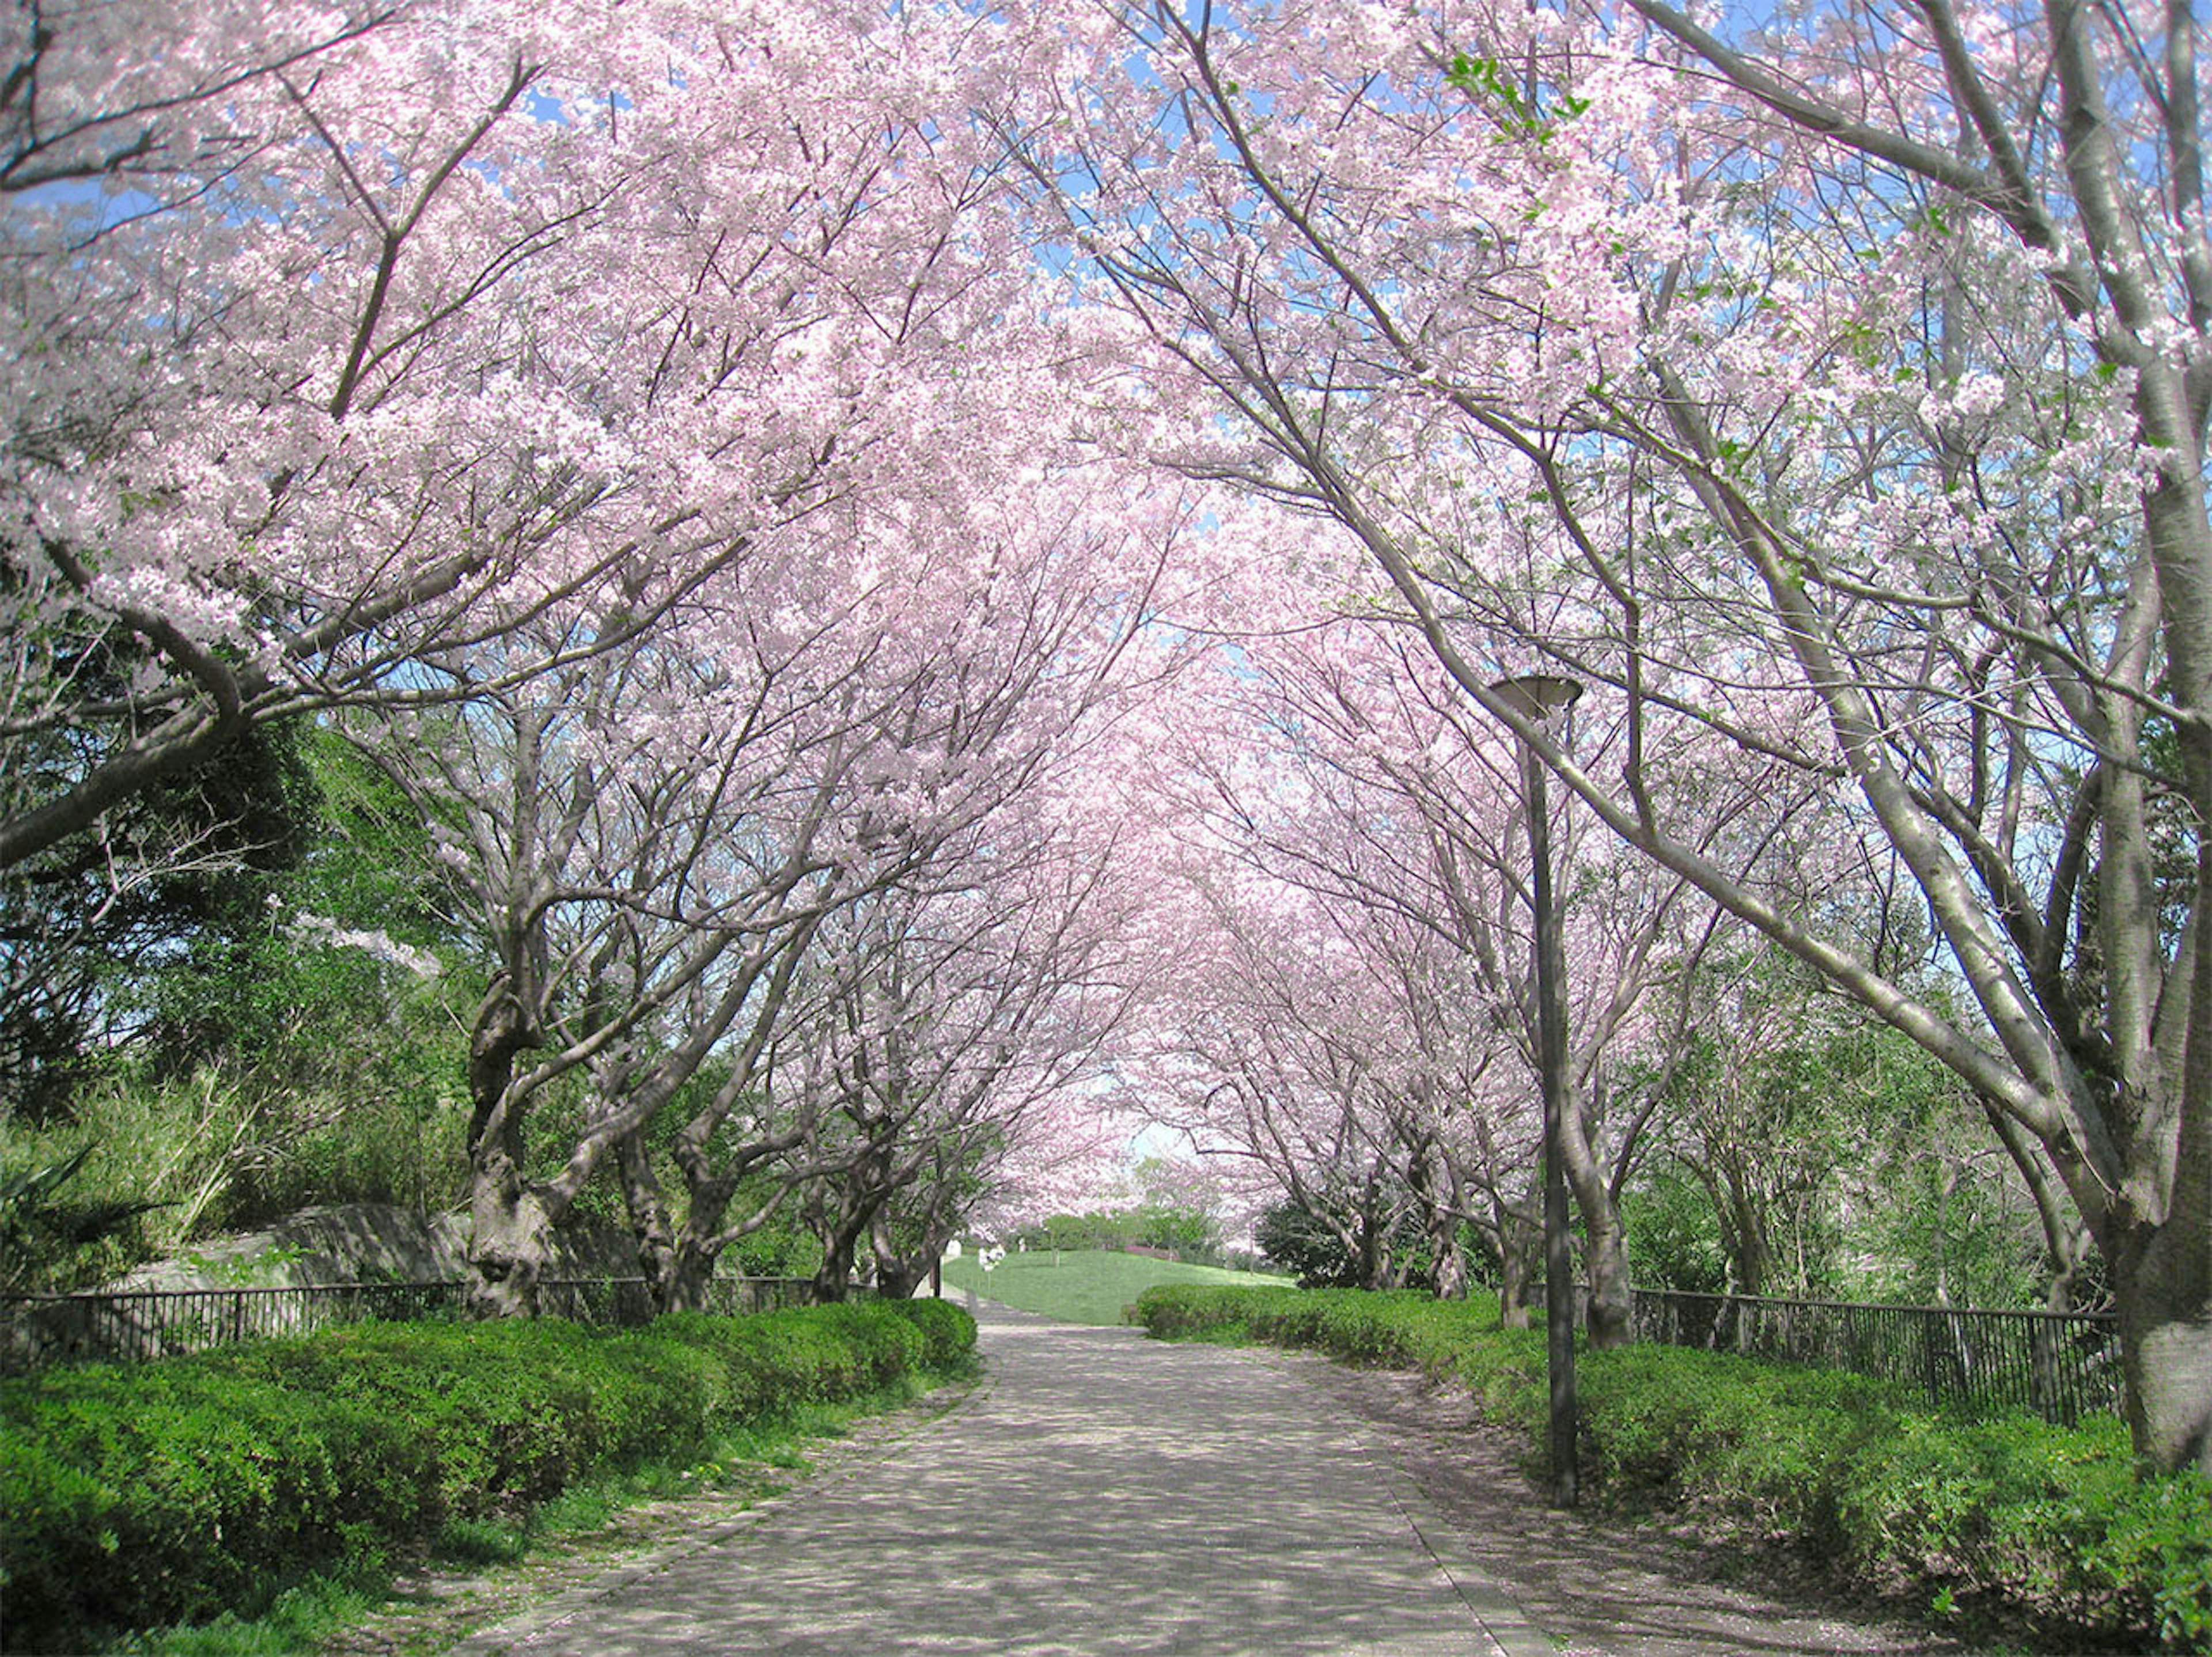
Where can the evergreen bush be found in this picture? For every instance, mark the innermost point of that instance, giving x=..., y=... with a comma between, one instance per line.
x=171, y=1492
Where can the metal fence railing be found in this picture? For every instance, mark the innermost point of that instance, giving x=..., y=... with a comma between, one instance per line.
x=38, y=1330
x=2061, y=1365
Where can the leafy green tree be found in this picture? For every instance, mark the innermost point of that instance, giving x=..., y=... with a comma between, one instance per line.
x=1362, y=1239
x=1673, y=1237
x=1837, y=1158
x=302, y=1046
x=183, y=866
x=337, y=1017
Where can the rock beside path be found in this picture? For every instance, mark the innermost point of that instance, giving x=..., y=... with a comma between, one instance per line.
x=362, y=1242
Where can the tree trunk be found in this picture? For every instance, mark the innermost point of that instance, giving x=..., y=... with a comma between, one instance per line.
x=509, y=1244
x=1437, y=1190
x=691, y=1269
x=894, y=1281
x=1513, y=1266
x=1605, y=1261
x=2162, y=1282
x=511, y=1233
x=833, y=1279
x=1750, y=1257
x=897, y=1274
x=1512, y=1287
x=1450, y=1272
x=897, y=1278
x=1605, y=1243
x=649, y=1219
x=1374, y=1257
x=693, y=1252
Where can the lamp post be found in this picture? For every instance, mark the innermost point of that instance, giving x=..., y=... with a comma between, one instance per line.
x=1539, y=698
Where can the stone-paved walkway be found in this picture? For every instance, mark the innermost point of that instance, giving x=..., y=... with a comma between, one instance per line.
x=1100, y=1494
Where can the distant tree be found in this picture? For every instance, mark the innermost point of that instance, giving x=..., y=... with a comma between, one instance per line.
x=1673, y=1239
x=1364, y=1236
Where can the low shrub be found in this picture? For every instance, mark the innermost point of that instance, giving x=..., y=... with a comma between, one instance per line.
x=948, y=1334
x=2020, y=1512
x=171, y=1492
x=2012, y=1523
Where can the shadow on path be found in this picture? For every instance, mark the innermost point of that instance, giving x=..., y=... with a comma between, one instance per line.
x=1601, y=1587
x=1102, y=1495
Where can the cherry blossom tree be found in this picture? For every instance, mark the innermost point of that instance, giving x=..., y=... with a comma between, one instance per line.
x=1071, y=1158
x=1349, y=768
x=348, y=340
x=1827, y=392
x=654, y=837
x=985, y=691
x=634, y=884
x=1836, y=385
x=1277, y=1046
x=967, y=1018
x=616, y=419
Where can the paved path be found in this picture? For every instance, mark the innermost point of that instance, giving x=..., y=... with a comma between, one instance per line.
x=1100, y=1494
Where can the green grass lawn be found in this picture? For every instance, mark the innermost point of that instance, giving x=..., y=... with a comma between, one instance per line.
x=1081, y=1285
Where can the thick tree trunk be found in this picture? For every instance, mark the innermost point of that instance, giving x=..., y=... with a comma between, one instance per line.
x=892, y=1278
x=833, y=1279
x=691, y=1269
x=706, y=1233
x=899, y=1273
x=697, y=1250
x=511, y=1233
x=509, y=1244
x=678, y=1265
x=1605, y=1261
x=897, y=1278
x=1374, y=1256
x=2162, y=1282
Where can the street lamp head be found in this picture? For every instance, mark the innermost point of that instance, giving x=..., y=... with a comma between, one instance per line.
x=1537, y=697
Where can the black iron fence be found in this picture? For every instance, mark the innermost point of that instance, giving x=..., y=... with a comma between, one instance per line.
x=2061, y=1365
x=37, y=1331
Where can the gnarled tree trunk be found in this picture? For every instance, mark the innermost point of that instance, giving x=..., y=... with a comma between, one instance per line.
x=510, y=1233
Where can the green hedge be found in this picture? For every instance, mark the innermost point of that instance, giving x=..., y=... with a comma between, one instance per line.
x=172, y=1491
x=2013, y=1522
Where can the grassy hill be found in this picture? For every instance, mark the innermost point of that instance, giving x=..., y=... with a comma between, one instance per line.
x=1082, y=1286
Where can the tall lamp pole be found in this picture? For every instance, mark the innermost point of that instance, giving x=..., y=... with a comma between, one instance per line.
x=1540, y=698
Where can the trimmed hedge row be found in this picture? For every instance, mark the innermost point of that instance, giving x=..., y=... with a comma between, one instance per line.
x=171, y=1492
x=2042, y=1529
